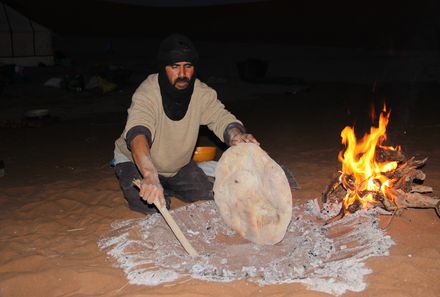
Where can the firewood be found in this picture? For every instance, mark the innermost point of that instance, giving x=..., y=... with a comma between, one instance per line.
x=416, y=200
x=406, y=167
x=388, y=155
x=406, y=181
x=421, y=189
x=348, y=182
x=331, y=193
x=355, y=206
x=406, y=190
x=400, y=171
x=419, y=163
x=412, y=200
x=419, y=175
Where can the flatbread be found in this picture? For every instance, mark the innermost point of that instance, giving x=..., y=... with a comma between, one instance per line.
x=252, y=193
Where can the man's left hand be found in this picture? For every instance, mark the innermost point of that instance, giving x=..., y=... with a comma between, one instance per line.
x=243, y=138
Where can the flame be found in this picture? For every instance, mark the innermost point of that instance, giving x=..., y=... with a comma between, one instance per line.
x=365, y=177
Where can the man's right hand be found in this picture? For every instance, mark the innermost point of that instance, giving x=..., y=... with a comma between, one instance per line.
x=152, y=191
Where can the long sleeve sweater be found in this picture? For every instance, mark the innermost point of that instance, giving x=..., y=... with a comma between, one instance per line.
x=172, y=142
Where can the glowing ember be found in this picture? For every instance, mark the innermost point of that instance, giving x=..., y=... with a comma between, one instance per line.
x=363, y=173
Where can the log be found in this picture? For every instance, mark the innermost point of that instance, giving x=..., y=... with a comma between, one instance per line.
x=330, y=189
x=405, y=168
x=402, y=200
x=421, y=189
x=348, y=182
x=387, y=155
x=416, y=200
x=405, y=182
x=355, y=206
x=419, y=175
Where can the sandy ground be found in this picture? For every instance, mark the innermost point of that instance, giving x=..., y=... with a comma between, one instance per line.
x=59, y=194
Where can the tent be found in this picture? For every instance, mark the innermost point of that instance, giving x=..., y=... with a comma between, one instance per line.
x=22, y=41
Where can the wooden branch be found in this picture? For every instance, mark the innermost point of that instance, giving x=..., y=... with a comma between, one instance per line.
x=421, y=189
x=417, y=200
x=419, y=163
x=419, y=175
x=348, y=182
x=412, y=200
x=331, y=187
x=355, y=206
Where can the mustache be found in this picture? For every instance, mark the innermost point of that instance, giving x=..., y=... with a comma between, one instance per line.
x=181, y=79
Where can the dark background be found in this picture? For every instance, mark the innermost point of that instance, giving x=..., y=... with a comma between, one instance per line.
x=365, y=24
x=313, y=42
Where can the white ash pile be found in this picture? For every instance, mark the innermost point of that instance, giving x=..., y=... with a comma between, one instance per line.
x=328, y=258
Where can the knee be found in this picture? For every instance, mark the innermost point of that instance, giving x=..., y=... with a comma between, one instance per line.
x=126, y=172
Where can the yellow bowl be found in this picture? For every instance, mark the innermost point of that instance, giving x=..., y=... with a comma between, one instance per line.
x=204, y=153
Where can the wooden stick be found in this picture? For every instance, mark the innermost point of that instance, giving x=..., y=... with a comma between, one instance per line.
x=172, y=223
x=417, y=200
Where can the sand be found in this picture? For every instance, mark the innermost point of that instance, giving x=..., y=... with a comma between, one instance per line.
x=59, y=195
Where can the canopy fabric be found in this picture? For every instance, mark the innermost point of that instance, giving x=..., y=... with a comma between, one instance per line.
x=24, y=42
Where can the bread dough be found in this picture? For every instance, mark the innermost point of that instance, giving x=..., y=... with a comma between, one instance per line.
x=252, y=193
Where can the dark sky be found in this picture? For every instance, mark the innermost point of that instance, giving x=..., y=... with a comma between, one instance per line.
x=369, y=24
x=181, y=3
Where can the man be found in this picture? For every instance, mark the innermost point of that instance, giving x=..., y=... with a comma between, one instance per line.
x=162, y=129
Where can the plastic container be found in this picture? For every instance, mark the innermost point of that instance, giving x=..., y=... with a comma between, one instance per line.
x=204, y=153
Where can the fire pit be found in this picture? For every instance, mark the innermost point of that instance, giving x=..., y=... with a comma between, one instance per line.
x=374, y=174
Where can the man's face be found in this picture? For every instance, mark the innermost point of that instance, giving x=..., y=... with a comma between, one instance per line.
x=179, y=74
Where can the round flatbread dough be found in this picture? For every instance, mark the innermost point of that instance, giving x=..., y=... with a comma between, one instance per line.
x=253, y=194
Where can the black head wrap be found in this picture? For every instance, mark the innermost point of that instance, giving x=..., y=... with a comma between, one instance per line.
x=173, y=49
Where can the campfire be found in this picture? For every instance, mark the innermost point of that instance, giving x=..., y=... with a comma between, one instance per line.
x=374, y=174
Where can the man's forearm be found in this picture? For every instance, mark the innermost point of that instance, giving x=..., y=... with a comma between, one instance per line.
x=150, y=189
x=141, y=155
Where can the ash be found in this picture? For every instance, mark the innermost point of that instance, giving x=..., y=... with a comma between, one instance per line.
x=326, y=258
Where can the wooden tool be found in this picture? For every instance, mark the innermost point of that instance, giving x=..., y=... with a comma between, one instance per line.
x=172, y=223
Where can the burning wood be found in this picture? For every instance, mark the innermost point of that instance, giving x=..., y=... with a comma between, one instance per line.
x=377, y=175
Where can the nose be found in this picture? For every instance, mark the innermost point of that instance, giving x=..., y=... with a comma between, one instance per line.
x=182, y=71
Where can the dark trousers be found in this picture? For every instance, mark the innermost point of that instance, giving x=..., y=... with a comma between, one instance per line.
x=189, y=184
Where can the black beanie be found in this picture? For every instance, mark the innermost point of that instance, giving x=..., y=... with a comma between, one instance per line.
x=176, y=48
